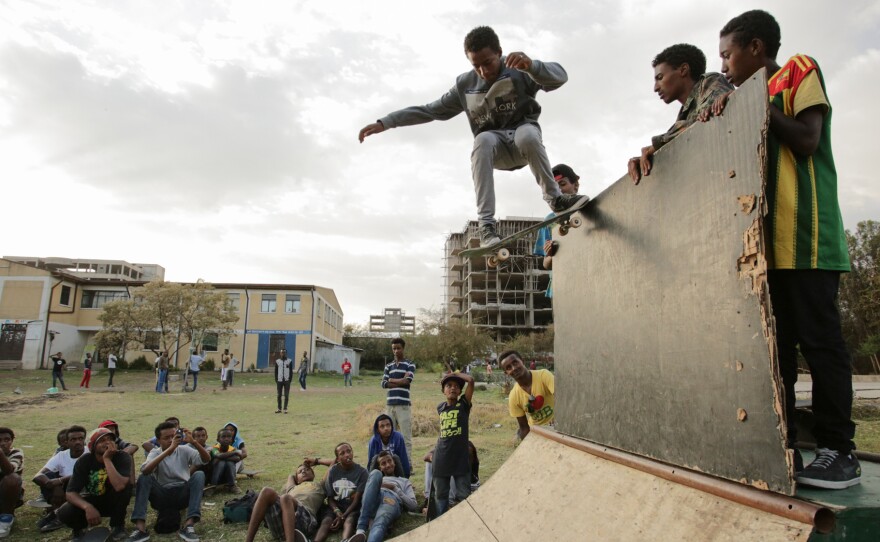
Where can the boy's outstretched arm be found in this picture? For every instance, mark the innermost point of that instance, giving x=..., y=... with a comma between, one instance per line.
x=469, y=380
x=371, y=129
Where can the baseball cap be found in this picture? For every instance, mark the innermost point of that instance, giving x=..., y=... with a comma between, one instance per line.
x=562, y=170
x=452, y=376
x=108, y=423
x=97, y=435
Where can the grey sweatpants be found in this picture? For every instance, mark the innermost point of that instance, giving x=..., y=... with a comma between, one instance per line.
x=508, y=150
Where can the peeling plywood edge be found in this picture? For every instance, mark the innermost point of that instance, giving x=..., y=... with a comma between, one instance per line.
x=752, y=269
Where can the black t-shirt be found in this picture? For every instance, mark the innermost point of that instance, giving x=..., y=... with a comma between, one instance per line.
x=90, y=477
x=342, y=484
x=451, y=456
x=58, y=364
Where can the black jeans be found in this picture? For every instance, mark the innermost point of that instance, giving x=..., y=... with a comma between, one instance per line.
x=112, y=504
x=112, y=371
x=805, y=307
x=283, y=386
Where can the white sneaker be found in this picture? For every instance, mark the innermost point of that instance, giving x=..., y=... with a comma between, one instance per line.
x=6, y=521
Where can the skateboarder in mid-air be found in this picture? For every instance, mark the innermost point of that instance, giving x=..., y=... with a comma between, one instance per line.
x=498, y=97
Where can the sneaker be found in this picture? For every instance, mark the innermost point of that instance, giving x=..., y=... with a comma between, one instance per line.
x=831, y=470
x=53, y=524
x=488, y=237
x=118, y=533
x=358, y=537
x=234, y=489
x=188, y=533
x=138, y=536
x=6, y=521
x=298, y=536
x=77, y=535
x=566, y=201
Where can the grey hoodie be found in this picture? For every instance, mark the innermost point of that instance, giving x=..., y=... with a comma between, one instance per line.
x=506, y=104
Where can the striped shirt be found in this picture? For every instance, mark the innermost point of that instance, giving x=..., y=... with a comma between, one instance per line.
x=17, y=459
x=803, y=224
x=403, y=369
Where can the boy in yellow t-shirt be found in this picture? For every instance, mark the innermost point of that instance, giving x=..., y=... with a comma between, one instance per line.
x=533, y=397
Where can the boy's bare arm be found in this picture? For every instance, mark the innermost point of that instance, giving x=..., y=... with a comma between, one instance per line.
x=802, y=133
x=469, y=390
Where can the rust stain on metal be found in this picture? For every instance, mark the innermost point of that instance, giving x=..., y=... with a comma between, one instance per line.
x=747, y=202
x=741, y=414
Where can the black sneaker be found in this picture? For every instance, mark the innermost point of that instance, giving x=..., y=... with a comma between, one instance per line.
x=188, y=533
x=118, y=533
x=52, y=524
x=567, y=201
x=488, y=237
x=831, y=470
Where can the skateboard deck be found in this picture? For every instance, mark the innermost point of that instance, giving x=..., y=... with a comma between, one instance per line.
x=501, y=250
x=98, y=534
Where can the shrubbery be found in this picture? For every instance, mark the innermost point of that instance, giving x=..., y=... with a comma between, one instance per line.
x=140, y=363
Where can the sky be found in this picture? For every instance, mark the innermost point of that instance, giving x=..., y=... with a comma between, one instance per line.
x=219, y=138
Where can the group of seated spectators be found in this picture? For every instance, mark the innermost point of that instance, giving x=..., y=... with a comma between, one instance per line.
x=91, y=475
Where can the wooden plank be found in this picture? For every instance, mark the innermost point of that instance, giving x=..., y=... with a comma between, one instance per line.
x=549, y=491
x=660, y=309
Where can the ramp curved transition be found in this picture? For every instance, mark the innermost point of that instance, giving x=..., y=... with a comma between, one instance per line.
x=549, y=491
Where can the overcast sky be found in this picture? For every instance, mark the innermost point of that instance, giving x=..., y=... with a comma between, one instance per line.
x=219, y=139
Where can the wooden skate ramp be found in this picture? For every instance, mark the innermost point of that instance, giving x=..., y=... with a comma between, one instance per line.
x=664, y=340
x=549, y=491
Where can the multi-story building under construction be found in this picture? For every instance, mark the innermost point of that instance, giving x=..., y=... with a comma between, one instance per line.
x=505, y=300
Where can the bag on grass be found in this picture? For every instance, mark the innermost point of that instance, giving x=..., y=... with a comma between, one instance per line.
x=239, y=510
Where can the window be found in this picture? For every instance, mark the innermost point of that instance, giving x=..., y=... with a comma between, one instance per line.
x=209, y=342
x=268, y=303
x=151, y=340
x=95, y=299
x=291, y=303
x=234, y=301
x=65, y=296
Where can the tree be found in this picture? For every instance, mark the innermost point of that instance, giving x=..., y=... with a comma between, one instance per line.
x=376, y=347
x=533, y=345
x=860, y=291
x=452, y=343
x=176, y=314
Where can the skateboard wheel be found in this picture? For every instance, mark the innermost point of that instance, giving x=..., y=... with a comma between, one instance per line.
x=576, y=222
x=492, y=262
x=563, y=229
x=503, y=255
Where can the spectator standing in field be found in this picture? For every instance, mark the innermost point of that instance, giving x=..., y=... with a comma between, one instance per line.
x=230, y=371
x=397, y=378
x=195, y=365
x=111, y=368
x=87, y=371
x=162, y=371
x=224, y=366
x=346, y=373
x=58, y=363
x=283, y=376
x=303, y=371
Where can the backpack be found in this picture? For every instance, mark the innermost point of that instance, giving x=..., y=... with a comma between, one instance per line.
x=239, y=510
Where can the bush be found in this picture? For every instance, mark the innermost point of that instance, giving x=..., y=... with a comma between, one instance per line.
x=121, y=364
x=140, y=363
x=208, y=365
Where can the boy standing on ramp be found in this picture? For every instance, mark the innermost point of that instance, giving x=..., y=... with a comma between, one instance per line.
x=498, y=97
x=806, y=245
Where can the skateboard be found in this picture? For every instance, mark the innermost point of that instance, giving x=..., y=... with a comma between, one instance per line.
x=249, y=473
x=98, y=534
x=565, y=219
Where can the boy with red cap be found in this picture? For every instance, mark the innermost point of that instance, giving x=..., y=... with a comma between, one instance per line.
x=99, y=487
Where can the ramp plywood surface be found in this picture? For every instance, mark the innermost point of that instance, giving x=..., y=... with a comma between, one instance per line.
x=659, y=309
x=549, y=491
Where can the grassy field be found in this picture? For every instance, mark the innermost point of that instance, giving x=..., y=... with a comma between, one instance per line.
x=319, y=418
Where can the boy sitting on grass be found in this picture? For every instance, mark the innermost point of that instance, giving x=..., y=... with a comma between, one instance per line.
x=386, y=438
x=344, y=484
x=451, y=456
x=292, y=515
x=224, y=460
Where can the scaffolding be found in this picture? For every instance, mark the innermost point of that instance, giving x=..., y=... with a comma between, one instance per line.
x=506, y=300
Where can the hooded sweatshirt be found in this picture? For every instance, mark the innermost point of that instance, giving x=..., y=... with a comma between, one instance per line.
x=395, y=445
x=237, y=441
